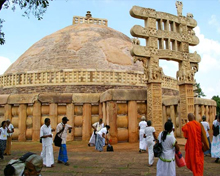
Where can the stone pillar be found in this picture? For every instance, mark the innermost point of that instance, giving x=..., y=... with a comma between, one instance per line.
x=70, y=116
x=186, y=102
x=36, y=121
x=87, y=121
x=202, y=111
x=100, y=111
x=8, y=114
x=173, y=116
x=197, y=113
x=53, y=115
x=104, y=113
x=207, y=113
x=112, y=121
x=22, y=122
x=132, y=121
x=154, y=105
x=164, y=114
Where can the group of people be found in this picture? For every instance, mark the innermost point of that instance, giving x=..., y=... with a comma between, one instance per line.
x=47, y=142
x=214, y=146
x=194, y=154
x=6, y=131
x=99, y=135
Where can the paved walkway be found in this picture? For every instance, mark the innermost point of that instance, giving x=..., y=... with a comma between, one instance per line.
x=85, y=161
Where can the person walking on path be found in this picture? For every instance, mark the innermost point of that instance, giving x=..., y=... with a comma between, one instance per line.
x=166, y=165
x=207, y=128
x=97, y=127
x=102, y=134
x=142, y=140
x=215, y=148
x=194, y=155
x=3, y=138
x=9, y=137
x=150, y=136
x=47, y=144
x=61, y=130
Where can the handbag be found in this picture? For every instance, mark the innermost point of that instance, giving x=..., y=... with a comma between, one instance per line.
x=157, y=149
x=180, y=161
x=215, y=130
x=205, y=141
x=58, y=140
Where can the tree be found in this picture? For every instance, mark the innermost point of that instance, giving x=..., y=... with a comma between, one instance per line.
x=199, y=91
x=36, y=7
x=217, y=99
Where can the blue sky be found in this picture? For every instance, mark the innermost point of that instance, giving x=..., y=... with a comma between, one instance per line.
x=22, y=32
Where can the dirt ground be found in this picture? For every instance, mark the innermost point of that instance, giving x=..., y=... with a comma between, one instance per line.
x=86, y=161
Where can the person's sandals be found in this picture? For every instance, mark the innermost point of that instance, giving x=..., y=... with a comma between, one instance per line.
x=216, y=161
x=59, y=162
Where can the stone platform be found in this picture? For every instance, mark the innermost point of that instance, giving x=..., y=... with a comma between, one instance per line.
x=86, y=161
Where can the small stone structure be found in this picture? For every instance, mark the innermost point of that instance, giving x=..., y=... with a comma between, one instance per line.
x=86, y=72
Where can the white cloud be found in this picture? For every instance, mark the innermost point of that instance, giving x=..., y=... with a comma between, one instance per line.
x=209, y=51
x=4, y=64
x=214, y=22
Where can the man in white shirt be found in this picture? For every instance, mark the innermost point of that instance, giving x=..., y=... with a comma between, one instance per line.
x=9, y=137
x=97, y=127
x=207, y=128
x=47, y=144
x=61, y=130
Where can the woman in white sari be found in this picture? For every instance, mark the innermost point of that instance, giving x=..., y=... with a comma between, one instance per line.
x=142, y=140
x=166, y=165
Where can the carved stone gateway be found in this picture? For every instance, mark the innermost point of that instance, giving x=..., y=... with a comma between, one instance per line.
x=167, y=37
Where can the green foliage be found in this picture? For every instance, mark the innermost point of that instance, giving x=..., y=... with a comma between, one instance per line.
x=199, y=91
x=35, y=7
x=2, y=35
x=217, y=99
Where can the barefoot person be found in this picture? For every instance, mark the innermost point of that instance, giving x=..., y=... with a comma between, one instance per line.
x=166, y=165
x=194, y=154
x=9, y=137
x=61, y=130
x=142, y=140
x=47, y=144
x=96, y=127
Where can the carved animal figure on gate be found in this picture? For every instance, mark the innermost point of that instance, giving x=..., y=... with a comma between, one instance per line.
x=189, y=15
x=135, y=41
x=179, y=6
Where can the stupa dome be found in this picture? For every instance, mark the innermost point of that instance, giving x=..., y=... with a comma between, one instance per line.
x=79, y=46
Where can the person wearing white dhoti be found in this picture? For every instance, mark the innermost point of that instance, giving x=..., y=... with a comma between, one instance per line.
x=142, y=140
x=97, y=127
x=47, y=141
x=149, y=134
x=166, y=165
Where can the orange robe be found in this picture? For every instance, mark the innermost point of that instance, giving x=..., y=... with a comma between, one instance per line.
x=194, y=155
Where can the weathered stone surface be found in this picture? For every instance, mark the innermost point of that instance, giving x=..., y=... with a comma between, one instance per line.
x=170, y=101
x=128, y=94
x=55, y=98
x=80, y=46
x=3, y=99
x=203, y=101
x=85, y=97
x=22, y=98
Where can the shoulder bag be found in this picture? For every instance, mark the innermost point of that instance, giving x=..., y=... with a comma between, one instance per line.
x=157, y=149
x=215, y=130
x=58, y=140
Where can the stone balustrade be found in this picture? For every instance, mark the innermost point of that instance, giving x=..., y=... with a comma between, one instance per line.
x=81, y=20
x=80, y=77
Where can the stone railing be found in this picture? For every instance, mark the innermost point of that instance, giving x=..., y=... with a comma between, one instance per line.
x=80, y=77
x=81, y=20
